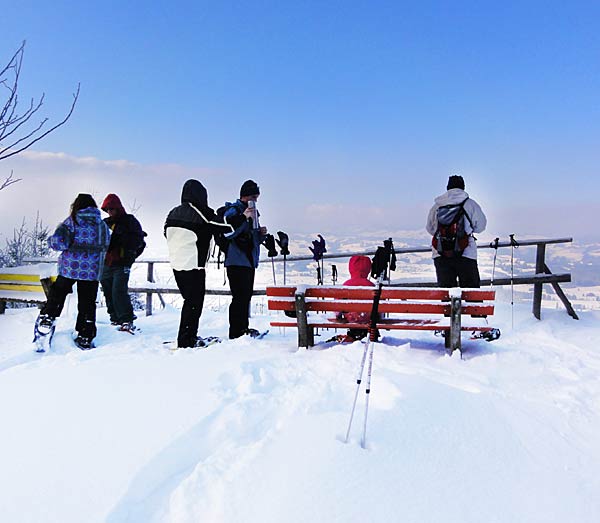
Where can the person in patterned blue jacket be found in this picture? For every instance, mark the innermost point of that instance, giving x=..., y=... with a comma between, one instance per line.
x=83, y=239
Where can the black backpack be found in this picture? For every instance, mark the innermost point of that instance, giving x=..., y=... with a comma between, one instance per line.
x=141, y=246
x=450, y=238
x=220, y=241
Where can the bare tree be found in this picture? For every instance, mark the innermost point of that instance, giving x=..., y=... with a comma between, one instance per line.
x=19, y=127
x=25, y=243
x=9, y=181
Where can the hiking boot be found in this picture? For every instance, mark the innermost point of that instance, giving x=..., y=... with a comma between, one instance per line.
x=84, y=343
x=253, y=333
x=198, y=344
x=46, y=322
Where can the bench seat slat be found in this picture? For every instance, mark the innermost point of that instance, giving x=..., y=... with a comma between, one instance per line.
x=408, y=325
x=21, y=287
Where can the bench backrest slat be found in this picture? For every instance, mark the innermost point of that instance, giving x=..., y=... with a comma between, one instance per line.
x=367, y=293
x=19, y=278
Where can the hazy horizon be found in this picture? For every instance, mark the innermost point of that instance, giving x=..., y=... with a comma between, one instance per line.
x=350, y=116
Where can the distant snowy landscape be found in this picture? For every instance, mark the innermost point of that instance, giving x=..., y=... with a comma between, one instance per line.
x=253, y=430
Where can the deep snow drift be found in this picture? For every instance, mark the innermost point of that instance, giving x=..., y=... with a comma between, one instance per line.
x=251, y=431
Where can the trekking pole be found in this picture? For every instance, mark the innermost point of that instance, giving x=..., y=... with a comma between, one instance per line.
x=372, y=338
x=283, y=243
x=318, y=249
x=334, y=274
x=269, y=243
x=382, y=258
x=494, y=245
x=363, y=442
x=513, y=245
x=358, y=382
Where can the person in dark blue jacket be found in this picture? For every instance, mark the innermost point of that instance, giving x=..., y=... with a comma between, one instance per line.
x=241, y=259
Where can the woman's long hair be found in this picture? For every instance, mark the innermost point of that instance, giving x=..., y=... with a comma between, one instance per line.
x=83, y=201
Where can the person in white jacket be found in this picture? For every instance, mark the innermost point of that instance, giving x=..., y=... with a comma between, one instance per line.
x=458, y=269
x=189, y=228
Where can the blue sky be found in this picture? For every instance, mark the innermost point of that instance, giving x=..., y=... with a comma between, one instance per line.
x=354, y=113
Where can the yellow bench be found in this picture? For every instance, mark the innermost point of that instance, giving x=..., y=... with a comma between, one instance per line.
x=17, y=286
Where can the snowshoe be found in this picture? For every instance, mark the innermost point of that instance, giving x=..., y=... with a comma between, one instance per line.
x=256, y=334
x=129, y=327
x=84, y=343
x=341, y=338
x=490, y=335
x=43, y=332
x=210, y=340
x=201, y=343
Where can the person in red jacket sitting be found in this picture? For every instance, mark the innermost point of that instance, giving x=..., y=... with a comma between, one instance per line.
x=360, y=268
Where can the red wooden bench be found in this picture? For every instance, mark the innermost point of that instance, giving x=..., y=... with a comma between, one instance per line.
x=401, y=309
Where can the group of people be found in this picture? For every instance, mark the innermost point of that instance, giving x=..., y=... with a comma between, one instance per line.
x=189, y=229
x=96, y=250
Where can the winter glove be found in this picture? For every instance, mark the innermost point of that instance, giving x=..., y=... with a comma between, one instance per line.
x=283, y=242
x=269, y=243
x=379, y=262
x=318, y=248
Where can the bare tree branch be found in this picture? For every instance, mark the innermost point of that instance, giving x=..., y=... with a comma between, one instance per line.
x=11, y=122
x=9, y=181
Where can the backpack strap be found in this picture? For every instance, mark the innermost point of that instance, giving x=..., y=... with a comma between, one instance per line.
x=462, y=206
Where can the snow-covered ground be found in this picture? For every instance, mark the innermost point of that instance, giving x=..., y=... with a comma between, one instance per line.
x=252, y=431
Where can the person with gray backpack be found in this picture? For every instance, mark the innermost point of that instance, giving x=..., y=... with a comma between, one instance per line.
x=452, y=221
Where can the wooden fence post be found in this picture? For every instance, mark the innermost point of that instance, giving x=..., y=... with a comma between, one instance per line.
x=150, y=278
x=540, y=264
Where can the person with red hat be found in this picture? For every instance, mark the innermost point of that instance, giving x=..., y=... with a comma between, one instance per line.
x=126, y=244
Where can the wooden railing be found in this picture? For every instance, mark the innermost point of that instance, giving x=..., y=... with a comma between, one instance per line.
x=543, y=275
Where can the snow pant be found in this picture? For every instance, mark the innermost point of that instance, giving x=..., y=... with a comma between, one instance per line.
x=86, y=303
x=456, y=272
x=192, y=285
x=241, y=284
x=115, y=285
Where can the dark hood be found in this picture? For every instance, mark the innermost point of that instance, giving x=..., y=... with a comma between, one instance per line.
x=194, y=193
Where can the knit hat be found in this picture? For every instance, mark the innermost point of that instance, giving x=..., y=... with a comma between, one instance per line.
x=249, y=188
x=455, y=182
